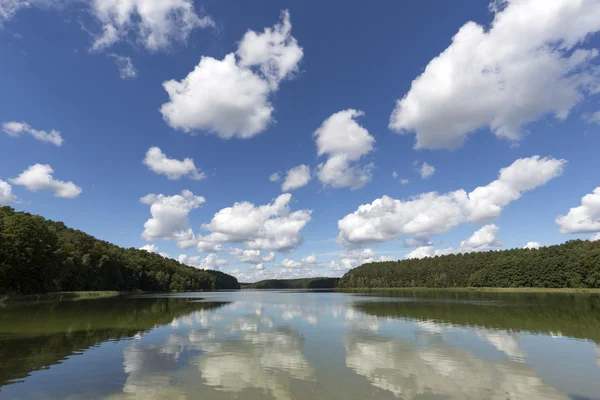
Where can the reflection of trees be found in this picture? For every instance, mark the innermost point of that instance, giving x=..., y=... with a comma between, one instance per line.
x=33, y=337
x=573, y=316
x=257, y=360
x=408, y=371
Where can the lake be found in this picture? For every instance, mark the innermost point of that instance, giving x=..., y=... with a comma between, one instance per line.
x=304, y=345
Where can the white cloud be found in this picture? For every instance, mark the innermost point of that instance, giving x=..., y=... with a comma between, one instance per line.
x=394, y=174
x=156, y=25
x=404, y=181
x=593, y=118
x=270, y=227
x=174, y=169
x=432, y=213
x=209, y=262
x=251, y=256
x=15, y=129
x=595, y=237
x=126, y=68
x=151, y=248
x=170, y=217
x=275, y=51
x=483, y=239
x=532, y=245
x=585, y=218
x=8, y=8
x=426, y=170
x=308, y=261
x=227, y=97
x=527, y=65
x=355, y=258
x=275, y=177
x=6, y=194
x=344, y=141
x=39, y=177
x=219, y=97
x=296, y=178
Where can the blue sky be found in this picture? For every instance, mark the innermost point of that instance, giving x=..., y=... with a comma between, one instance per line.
x=499, y=92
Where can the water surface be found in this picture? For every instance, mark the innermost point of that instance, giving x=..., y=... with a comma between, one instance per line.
x=304, y=345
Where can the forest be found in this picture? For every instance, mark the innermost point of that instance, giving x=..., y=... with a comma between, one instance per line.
x=39, y=256
x=574, y=264
x=303, y=283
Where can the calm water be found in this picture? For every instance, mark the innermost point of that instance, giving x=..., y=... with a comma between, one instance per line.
x=304, y=345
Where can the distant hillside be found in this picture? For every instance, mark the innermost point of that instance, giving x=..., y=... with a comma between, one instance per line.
x=574, y=264
x=305, y=283
x=38, y=256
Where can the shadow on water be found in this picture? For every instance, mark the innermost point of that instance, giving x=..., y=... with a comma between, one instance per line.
x=37, y=336
x=571, y=315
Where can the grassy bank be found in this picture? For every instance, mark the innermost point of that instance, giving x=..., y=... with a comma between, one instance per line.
x=81, y=295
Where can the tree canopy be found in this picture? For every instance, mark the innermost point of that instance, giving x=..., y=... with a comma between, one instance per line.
x=574, y=264
x=38, y=256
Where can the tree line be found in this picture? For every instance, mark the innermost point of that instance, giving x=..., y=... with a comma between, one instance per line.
x=302, y=283
x=574, y=264
x=39, y=256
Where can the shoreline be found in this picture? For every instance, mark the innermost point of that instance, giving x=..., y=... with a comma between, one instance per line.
x=61, y=296
x=476, y=289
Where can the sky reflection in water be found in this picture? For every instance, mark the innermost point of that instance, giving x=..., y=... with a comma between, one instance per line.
x=291, y=345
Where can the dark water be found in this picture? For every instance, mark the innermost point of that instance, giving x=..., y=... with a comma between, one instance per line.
x=304, y=345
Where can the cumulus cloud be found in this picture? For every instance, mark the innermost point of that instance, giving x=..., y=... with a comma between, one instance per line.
x=585, y=218
x=170, y=217
x=528, y=64
x=275, y=177
x=308, y=261
x=432, y=213
x=230, y=97
x=251, y=256
x=6, y=194
x=532, y=245
x=275, y=51
x=593, y=118
x=151, y=248
x=355, y=258
x=174, y=169
x=296, y=178
x=404, y=181
x=344, y=142
x=8, y=9
x=425, y=170
x=39, y=177
x=394, y=174
x=16, y=129
x=126, y=68
x=156, y=25
x=209, y=262
x=483, y=239
x=595, y=237
x=271, y=226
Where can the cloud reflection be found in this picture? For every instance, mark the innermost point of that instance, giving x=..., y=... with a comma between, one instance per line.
x=257, y=360
x=409, y=371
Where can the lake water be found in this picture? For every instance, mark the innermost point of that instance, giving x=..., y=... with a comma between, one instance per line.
x=304, y=345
